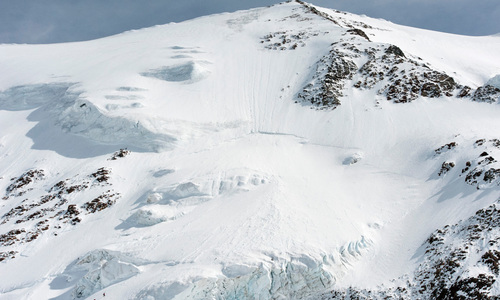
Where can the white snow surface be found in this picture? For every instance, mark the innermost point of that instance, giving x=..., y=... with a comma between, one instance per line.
x=494, y=81
x=231, y=187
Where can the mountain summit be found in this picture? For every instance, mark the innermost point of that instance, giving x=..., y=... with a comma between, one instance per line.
x=287, y=152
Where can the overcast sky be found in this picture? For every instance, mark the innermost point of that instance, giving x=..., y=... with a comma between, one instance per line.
x=50, y=21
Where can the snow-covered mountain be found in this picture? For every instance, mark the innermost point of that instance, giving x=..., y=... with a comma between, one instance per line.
x=287, y=152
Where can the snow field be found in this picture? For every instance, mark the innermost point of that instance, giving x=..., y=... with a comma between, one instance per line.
x=232, y=189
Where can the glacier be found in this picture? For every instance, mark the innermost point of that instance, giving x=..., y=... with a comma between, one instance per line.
x=283, y=152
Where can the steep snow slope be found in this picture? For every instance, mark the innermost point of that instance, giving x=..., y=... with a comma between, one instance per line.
x=257, y=166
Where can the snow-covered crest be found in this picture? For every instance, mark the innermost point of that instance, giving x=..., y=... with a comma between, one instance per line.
x=283, y=152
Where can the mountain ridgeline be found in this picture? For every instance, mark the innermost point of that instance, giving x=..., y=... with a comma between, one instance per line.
x=285, y=152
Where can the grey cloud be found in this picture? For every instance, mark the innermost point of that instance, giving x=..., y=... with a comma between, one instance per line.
x=25, y=21
x=454, y=16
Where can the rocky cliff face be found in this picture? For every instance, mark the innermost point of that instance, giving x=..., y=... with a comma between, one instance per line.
x=396, y=76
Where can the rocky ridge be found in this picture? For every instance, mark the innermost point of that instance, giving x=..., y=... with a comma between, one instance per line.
x=66, y=202
x=482, y=170
x=356, y=62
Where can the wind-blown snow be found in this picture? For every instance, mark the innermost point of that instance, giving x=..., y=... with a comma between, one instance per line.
x=190, y=72
x=234, y=188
